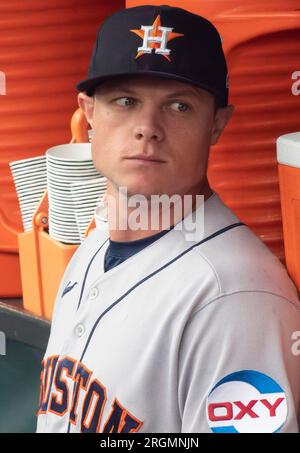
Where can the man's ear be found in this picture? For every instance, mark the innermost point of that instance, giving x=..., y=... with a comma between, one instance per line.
x=222, y=116
x=86, y=103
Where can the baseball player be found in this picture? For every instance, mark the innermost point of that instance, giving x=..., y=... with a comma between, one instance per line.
x=157, y=329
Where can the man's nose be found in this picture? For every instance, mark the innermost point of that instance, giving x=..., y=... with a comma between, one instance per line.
x=148, y=125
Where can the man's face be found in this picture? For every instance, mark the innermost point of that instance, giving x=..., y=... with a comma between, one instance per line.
x=144, y=116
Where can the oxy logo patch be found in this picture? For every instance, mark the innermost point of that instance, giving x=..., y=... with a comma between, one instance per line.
x=246, y=401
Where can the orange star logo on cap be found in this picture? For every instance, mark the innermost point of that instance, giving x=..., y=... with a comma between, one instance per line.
x=155, y=37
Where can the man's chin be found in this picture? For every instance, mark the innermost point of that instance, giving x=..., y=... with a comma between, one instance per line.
x=135, y=190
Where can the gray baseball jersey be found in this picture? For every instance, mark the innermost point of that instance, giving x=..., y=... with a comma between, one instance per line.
x=181, y=337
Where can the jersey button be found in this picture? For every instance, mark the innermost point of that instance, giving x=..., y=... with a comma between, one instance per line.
x=79, y=330
x=93, y=293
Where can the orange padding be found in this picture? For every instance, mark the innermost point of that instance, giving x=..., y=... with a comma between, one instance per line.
x=289, y=180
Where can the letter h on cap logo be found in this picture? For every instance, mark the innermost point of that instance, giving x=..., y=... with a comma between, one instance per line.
x=155, y=37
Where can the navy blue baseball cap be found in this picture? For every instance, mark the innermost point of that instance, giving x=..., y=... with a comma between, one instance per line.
x=163, y=40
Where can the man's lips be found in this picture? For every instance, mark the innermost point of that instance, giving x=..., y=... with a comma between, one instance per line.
x=145, y=158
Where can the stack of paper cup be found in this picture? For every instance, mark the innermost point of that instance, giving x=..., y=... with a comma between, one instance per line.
x=74, y=186
x=30, y=179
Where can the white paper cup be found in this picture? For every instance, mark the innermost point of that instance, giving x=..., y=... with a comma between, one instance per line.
x=71, y=152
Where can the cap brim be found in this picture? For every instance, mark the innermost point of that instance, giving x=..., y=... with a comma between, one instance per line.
x=89, y=85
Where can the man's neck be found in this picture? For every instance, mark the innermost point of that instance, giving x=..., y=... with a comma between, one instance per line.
x=119, y=217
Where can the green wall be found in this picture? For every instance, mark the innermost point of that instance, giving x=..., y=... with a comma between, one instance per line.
x=19, y=387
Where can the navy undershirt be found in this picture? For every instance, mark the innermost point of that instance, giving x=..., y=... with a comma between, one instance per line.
x=117, y=252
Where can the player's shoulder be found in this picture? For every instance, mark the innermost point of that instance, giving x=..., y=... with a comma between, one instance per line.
x=84, y=253
x=239, y=260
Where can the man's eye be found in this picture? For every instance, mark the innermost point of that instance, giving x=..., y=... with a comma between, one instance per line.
x=180, y=106
x=125, y=101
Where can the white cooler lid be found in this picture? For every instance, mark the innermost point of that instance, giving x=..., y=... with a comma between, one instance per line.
x=288, y=149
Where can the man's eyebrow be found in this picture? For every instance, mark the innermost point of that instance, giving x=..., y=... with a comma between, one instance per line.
x=172, y=94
